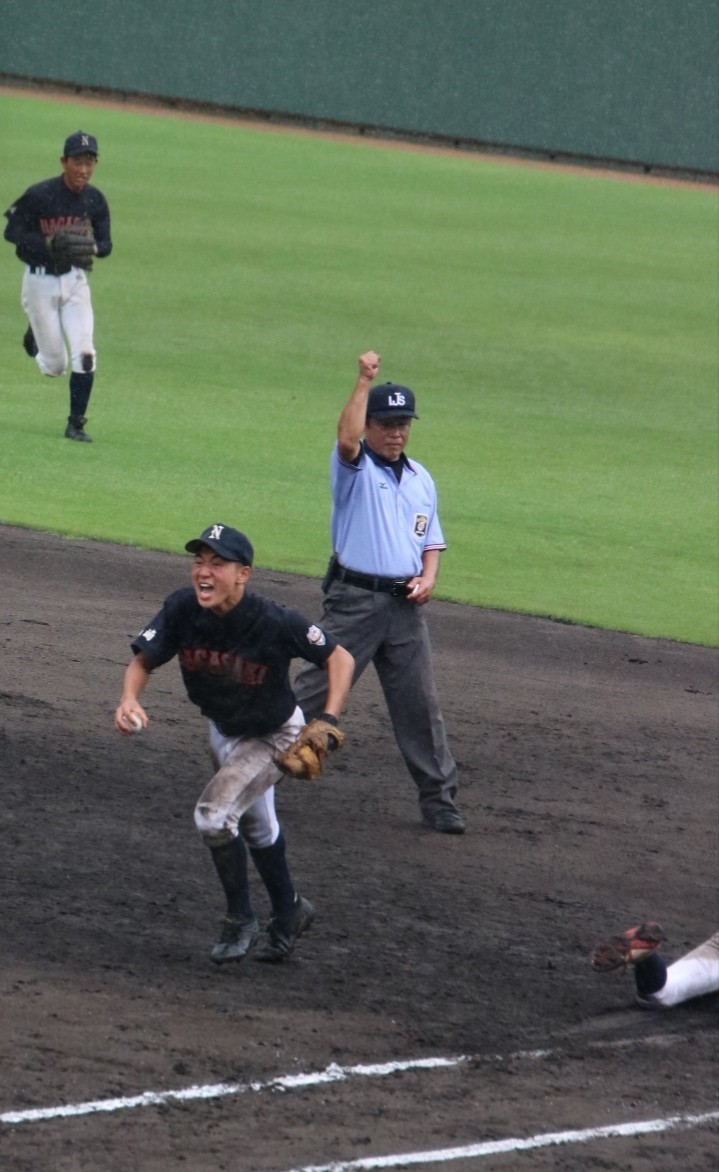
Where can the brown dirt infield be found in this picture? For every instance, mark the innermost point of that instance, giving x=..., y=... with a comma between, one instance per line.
x=589, y=769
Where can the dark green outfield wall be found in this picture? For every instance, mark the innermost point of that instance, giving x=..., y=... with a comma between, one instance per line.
x=627, y=80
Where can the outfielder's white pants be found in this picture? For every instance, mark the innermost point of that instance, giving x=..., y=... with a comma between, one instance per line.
x=241, y=796
x=60, y=312
x=693, y=975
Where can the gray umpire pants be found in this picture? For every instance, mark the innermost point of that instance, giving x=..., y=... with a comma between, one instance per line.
x=392, y=634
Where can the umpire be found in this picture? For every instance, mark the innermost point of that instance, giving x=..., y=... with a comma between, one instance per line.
x=387, y=542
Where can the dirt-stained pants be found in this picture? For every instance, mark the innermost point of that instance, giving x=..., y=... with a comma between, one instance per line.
x=240, y=798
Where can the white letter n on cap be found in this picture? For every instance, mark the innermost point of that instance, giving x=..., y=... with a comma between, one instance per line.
x=216, y=532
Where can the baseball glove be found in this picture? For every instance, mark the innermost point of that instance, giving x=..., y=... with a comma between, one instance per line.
x=73, y=248
x=305, y=756
x=633, y=946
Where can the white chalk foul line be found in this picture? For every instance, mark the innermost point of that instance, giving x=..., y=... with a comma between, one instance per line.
x=332, y=1073
x=503, y=1146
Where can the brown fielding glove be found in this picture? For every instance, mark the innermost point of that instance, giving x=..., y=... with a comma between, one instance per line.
x=73, y=248
x=631, y=947
x=305, y=756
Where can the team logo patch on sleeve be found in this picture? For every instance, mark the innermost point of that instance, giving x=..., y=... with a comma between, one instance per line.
x=421, y=521
x=148, y=634
x=316, y=635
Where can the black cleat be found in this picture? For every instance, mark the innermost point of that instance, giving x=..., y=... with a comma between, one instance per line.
x=284, y=931
x=75, y=429
x=238, y=937
x=29, y=343
x=445, y=819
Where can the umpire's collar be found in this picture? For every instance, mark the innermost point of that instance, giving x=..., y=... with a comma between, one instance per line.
x=381, y=463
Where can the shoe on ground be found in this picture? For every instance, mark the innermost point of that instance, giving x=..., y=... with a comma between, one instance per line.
x=238, y=937
x=75, y=429
x=283, y=932
x=629, y=948
x=29, y=343
x=444, y=819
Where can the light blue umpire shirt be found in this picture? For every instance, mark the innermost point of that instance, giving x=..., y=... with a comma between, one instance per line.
x=380, y=526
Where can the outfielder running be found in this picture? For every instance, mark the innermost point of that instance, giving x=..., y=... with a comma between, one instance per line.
x=58, y=227
x=234, y=650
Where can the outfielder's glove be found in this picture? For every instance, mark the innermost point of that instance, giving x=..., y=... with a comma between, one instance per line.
x=633, y=946
x=305, y=756
x=72, y=248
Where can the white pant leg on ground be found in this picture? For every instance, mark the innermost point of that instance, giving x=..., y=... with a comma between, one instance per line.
x=693, y=975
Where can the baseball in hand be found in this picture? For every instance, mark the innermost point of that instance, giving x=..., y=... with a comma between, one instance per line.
x=134, y=722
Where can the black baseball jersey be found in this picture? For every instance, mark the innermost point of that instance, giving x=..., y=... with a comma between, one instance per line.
x=235, y=668
x=50, y=206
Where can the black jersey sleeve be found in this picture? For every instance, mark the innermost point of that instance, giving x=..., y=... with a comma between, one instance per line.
x=100, y=220
x=160, y=638
x=23, y=230
x=308, y=640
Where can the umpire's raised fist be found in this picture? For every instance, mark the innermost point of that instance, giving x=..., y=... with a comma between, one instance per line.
x=369, y=364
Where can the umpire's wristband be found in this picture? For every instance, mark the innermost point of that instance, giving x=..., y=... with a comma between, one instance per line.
x=329, y=719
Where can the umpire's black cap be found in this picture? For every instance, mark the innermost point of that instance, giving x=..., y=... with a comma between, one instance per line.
x=391, y=401
x=228, y=543
x=79, y=143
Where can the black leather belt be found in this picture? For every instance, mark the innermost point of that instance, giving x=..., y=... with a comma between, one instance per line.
x=394, y=586
x=44, y=271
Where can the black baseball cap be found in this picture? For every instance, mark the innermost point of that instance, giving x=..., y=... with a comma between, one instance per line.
x=228, y=543
x=80, y=143
x=391, y=401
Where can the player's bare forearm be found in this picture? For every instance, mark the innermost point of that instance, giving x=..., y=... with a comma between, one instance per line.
x=351, y=425
x=340, y=673
x=137, y=674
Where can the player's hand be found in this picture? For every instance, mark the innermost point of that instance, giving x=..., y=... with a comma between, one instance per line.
x=130, y=717
x=369, y=365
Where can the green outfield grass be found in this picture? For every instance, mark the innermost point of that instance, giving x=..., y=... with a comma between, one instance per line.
x=559, y=329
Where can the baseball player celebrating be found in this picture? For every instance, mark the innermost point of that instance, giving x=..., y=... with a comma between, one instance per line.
x=58, y=227
x=234, y=649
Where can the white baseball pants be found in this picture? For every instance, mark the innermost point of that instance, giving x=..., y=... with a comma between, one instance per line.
x=693, y=975
x=60, y=312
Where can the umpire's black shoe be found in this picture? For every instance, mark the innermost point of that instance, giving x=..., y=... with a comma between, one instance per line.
x=29, y=343
x=445, y=819
x=238, y=937
x=75, y=429
x=284, y=931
